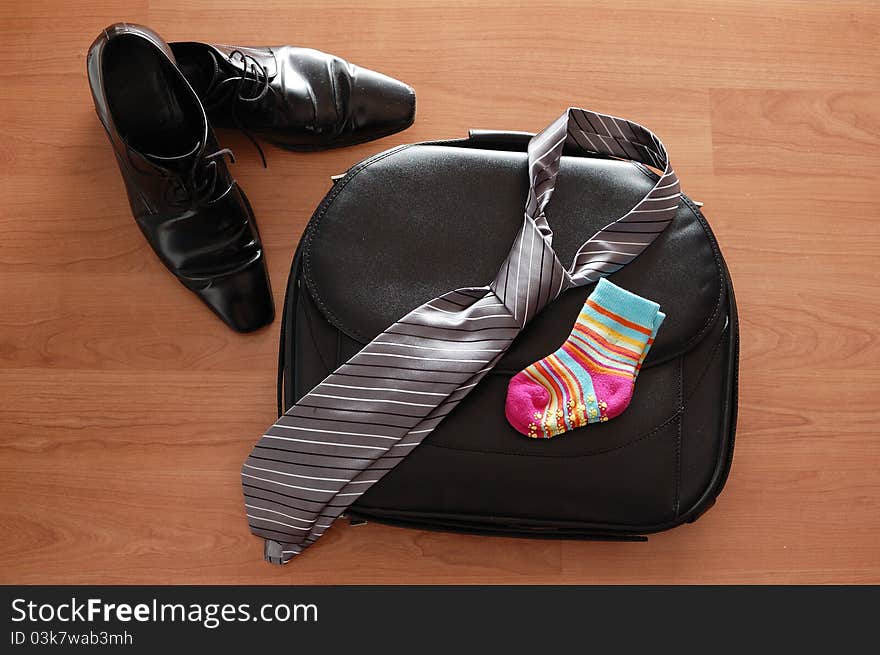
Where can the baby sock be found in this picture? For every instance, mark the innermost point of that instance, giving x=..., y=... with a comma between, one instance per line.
x=591, y=377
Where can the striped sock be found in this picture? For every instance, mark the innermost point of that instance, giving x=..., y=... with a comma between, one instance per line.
x=591, y=377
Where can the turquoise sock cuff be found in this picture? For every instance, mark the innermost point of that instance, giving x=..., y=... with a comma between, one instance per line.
x=658, y=321
x=625, y=304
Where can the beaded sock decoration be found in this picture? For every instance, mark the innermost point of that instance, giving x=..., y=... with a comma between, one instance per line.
x=591, y=377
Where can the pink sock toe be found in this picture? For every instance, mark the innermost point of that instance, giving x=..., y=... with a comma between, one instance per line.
x=525, y=398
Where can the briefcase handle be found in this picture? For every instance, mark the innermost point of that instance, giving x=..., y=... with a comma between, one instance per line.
x=500, y=138
x=515, y=142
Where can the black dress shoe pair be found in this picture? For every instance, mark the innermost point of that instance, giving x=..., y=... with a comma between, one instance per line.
x=158, y=102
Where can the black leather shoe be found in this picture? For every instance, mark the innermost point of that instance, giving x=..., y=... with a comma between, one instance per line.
x=183, y=198
x=296, y=98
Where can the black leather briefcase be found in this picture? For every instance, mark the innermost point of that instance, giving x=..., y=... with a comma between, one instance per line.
x=414, y=222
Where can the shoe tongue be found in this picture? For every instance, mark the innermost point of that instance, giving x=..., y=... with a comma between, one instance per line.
x=201, y=69
x=178, y=163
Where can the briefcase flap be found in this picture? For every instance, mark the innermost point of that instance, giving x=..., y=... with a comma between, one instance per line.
x=415, y=222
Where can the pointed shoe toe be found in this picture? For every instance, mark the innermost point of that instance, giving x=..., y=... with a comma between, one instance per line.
x=380, y=105
x=243, y=299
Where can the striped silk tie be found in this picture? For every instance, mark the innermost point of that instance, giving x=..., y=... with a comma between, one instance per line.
x=365, y=417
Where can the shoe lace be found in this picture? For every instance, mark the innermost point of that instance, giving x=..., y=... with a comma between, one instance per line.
x=251, y=85
x=195, y=186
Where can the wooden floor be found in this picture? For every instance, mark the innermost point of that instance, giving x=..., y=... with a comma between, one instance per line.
x=109, y=369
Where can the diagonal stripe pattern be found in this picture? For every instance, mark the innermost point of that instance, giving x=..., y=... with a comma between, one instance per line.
x=365, y=417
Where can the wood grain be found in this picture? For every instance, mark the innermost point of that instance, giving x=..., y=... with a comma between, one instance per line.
x=108, y=368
